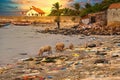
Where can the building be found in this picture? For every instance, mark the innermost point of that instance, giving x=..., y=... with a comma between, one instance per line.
x=85, y=20
x=35, y=12
x=113, y=13
x=99, y=17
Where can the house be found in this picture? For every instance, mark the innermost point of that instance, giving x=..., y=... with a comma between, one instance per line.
x=113, y=13
x=35, y=12
x=99, y=17
x=85, y=20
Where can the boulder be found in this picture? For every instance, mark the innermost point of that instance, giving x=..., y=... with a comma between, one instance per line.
x=101, y=61
x=91, y=45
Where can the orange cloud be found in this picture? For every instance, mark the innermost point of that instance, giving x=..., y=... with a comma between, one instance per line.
x=45, y=5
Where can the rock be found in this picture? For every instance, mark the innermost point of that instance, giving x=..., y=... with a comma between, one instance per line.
x=23, y=53
x=37, y=62
x=50, y=60
x=82, y=38
x=91, y=45
x=118, y=44
x=101, y=53
x=100, y=61
x=115, y=54
x=28, y=59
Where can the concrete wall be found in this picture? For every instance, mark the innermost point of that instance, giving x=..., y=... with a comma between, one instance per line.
x=113, y=15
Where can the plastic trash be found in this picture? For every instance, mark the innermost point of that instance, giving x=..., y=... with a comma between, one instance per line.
x=76, y=55
x=49, y=77
x=63, y=68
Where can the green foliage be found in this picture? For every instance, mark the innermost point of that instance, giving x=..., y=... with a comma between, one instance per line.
x=84, y=12
x=76, y=7
x=78, y=11
x=67, y=12
x=88, y=5
x=57, y=12
x=97, y=7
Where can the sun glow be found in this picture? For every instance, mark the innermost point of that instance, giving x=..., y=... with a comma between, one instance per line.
x=45, y=5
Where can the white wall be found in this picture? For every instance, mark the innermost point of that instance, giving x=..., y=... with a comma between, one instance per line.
x=85, y=21
x=32, y=13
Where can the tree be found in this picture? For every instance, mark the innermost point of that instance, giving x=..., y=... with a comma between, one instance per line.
x=56, y=8
x=67, y=12
x=88, y=5
x=77, y=6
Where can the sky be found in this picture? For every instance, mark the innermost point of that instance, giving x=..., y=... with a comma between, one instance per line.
x=14, y=7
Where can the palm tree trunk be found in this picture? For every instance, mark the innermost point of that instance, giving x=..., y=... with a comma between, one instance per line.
x=58, y=22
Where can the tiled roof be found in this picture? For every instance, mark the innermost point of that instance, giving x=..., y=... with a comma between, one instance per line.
x=38, y=10
x=114, y=6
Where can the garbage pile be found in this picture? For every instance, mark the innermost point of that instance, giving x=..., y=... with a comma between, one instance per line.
x=94, y=29
x=93, y=62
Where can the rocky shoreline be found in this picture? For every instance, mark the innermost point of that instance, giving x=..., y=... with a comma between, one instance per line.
x=92, y=61
x=91, y=29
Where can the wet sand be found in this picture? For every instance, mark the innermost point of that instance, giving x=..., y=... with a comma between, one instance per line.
x=15, y=40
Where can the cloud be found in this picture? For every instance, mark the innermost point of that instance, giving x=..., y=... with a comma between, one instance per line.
x=8, y=7
x=45, y=5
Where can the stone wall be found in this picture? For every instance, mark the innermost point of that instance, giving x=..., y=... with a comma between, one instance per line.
x=40, y=18
x=113, y=15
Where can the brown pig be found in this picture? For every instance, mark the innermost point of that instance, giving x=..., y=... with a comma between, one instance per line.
x=45, y=49
x=59, y=46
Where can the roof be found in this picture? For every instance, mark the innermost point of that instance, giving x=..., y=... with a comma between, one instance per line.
x=97, y=13
x=85, y=17
x=38, y=10
x=114, y=6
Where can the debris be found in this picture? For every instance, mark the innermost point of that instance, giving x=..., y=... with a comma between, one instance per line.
x=91, y=45
x=115, y=54
x=101, y=61
x=101, y=53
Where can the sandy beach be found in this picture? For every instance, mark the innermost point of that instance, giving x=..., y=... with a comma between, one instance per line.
x=60, y=40
x=93, y=57
x=15, y=40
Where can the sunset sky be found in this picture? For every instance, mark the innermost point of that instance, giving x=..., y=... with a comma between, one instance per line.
x=13, y=7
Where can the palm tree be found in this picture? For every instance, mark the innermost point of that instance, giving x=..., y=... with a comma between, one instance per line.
x=56, y=8
x=88, y=5
x=66, y=12
x=77, y=6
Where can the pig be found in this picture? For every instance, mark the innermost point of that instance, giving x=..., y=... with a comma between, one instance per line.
x=71, y=46
x=45, y=49
x=59, y=46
